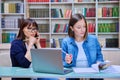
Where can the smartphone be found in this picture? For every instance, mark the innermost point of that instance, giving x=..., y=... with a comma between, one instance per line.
x=36, y=35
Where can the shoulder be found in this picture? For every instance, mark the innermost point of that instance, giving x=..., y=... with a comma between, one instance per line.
x=91, y=37
x=17, y=42
x=68, y=39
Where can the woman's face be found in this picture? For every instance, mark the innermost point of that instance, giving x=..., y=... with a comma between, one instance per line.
x=79, y=28
x=30, y=31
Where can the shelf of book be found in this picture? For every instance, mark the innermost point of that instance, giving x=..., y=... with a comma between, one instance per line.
x=52, y=16
x=10, y=11
x=58, y=19
x=108, y=23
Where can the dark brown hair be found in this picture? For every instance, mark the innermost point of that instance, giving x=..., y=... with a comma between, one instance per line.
x=25, y=23
x=73, y=20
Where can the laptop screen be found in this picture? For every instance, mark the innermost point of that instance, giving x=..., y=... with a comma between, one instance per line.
x=48, y=60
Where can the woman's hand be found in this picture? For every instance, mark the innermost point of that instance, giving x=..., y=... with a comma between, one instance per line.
x=68, y=58
x=37, y=43
x=32, y=40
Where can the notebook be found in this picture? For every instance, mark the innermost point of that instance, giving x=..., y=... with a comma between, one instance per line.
x=48, y=60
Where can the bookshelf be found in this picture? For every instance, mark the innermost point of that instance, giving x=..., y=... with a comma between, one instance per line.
x=101, y=15
x=108, y=23
x=10, y=12
x=52, y=17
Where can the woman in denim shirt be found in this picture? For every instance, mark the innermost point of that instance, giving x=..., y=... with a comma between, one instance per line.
x=83, y=49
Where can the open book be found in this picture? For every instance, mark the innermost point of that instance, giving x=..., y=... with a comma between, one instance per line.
x=93, y=69
x=112, y=69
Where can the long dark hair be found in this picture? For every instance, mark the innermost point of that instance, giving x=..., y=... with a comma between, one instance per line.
x=73, y=20
x=22, y=24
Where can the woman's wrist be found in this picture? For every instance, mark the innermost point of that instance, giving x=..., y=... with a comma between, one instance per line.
x=38, y=45
x=29, y=47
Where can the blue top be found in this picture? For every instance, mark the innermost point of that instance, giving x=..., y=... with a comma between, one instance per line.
x=91, y=47
x=17, y=54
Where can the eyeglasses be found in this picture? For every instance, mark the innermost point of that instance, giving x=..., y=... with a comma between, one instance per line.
x=32, y=29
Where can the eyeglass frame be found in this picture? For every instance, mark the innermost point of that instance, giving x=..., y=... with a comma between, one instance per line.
x=32, y=29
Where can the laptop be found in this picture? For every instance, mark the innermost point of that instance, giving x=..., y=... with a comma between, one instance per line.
x=48, y=60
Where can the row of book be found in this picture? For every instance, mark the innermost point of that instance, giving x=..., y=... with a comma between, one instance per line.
x=37, y=0
x=92, y=0
x=67, y=0
x=12, y=7
x=61, y=0
x=10, y=22
x=108, y=42
x=43, y=28
x=55, y=13
x=91, y=27
x=39, y=13
x=108, y=12
x=49, y=0
x=84, y=0
x=60, y=28
x=63, y=28
x=44, y=42
x=66, y=13
x=102, y=27
x=61, y=13
x=111, y=42
x=108, y=0
x=108, y=27
x=87, y=12
x=56, y=42
x=8, y=37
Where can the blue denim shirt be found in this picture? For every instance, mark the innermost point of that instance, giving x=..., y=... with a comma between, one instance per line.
x=91, y=47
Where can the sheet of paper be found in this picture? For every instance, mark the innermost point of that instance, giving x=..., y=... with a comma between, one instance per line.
x=93, y=69
x=96, y=67
x=84, y=70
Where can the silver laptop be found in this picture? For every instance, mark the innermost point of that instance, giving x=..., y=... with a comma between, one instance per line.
x=48, y=60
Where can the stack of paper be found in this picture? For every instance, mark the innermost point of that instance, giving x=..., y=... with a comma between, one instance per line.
x=93, y=69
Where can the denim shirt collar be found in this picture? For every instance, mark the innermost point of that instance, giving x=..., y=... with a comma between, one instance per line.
x=72, y=40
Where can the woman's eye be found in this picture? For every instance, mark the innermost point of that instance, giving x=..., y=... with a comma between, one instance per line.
x=79, y=27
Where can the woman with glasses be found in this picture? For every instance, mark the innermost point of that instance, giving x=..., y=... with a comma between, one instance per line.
x=28, y=37
x=83, y=49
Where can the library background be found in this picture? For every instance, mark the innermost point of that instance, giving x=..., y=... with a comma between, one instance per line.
x=103, y=20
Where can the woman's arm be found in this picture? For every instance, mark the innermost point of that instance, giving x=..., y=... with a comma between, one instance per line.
x=17, y=54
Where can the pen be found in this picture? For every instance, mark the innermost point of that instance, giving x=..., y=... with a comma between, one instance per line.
x=64, y=52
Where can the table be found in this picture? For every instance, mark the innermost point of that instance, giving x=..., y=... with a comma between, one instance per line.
x=28, y=72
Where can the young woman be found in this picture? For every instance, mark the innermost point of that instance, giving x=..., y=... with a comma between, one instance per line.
x=83, y=49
